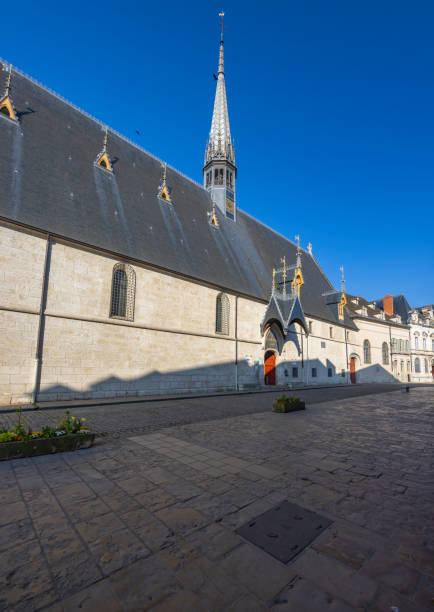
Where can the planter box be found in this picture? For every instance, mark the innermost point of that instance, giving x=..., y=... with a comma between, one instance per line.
x=288, y=406
x=45, y=446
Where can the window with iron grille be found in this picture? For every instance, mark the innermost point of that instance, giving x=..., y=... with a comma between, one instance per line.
x=222, y=314
x=294, y=372
x=123, y=292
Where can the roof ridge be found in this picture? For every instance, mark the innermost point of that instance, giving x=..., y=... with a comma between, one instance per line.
x=101, y=123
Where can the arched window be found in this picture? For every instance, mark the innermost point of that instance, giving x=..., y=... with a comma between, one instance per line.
x=366, y=351
x=426, y=366
x=424, y=344
x=417, y=365
x=222, y=314
x=123, y=292
x=385, y=350
x=416, y=342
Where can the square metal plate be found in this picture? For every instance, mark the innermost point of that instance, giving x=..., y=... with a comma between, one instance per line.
x=285, y=530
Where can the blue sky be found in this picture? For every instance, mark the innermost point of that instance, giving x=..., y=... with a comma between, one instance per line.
x=331, y=107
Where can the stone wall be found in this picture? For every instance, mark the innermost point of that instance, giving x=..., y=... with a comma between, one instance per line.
x=171, y=345
x=22, y=258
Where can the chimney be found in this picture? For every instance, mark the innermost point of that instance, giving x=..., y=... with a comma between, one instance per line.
x=388, y=304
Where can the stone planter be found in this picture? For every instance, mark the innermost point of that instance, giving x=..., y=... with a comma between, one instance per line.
x=281, y=406
x=45, y=446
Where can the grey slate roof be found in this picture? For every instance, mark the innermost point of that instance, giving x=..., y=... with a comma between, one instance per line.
x=372, y=312
x=49, y=181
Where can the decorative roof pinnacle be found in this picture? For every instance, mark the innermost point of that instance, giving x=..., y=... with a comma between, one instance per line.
x=309, y=248
x=342, y=279
x=297, y=238
x=8, y=81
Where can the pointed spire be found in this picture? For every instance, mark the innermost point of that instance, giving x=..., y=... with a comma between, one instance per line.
x=220, y=145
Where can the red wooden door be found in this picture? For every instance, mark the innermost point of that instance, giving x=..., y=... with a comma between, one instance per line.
x=270, y=368
x=353, y=369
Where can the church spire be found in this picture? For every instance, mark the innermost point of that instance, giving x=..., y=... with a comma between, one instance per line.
x=219, y=169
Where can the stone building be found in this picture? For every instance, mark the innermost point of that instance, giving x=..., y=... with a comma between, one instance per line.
x=121, y=276
x=420, y=321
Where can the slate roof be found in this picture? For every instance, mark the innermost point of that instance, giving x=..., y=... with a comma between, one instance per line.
x=371, y=312
x=49, y=181
x=400, y=306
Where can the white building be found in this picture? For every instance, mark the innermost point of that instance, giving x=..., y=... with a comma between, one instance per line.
x=120, y=276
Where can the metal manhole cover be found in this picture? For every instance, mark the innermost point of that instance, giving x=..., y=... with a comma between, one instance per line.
x=284, y=531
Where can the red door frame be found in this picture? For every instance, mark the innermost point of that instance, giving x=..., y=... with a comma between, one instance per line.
x=270, y=368
x=353, y=370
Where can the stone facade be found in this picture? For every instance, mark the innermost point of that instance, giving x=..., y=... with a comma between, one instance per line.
x=421, y=323
x=171, y=346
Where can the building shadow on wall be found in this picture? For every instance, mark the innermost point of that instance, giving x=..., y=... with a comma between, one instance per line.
x=215, y=378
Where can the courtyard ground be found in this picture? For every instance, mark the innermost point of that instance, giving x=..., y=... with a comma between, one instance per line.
x=146, y=518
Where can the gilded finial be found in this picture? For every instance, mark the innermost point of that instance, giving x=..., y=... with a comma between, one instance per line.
x=164, y=164
x=105, y=138
x=221, y=15
x=297, y=238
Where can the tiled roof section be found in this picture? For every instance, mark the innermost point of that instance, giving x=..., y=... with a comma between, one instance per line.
x=50, y=182
x=373, y=312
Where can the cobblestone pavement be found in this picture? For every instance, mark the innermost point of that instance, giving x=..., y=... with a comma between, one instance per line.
x=128, y=418
x=147, y=522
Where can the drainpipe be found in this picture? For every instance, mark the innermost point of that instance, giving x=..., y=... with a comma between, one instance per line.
x=236, y=342
x=307, y=359
x=391, y=350
x=346, y=354
x=41, y=322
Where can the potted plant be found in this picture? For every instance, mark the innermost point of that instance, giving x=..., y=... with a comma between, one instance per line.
x=288, y=404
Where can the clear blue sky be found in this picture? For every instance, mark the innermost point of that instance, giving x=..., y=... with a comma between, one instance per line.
x=331, y=106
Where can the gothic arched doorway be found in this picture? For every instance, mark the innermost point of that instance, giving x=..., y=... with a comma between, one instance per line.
x=270, y=368
x=353, y=370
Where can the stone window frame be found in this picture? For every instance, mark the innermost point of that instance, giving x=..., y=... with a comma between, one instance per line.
x=222, y=314
x=417, y=365
x=130, y=293
x=366, y=351
x=385, y=353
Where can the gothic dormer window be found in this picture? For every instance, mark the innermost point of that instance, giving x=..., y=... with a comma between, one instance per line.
x=163, y=190
x=103, y=160
x=6, y=105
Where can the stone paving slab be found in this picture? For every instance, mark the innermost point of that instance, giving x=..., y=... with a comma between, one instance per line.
x=148, y=523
